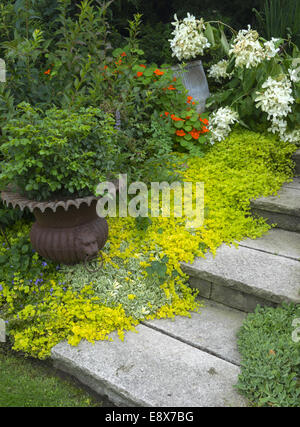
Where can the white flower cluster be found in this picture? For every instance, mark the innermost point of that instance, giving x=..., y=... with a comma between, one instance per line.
x=270, y=48
x=248, y=50
x=220, y=123
x=276, y=100
x=218, y=70
x=276, y=97
x=295, y=74
x=189, y=40
x=279, y=126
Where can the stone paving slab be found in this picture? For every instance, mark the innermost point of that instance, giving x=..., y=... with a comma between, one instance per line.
x=214, y=329
x=248, y=274
x=276, y=242
x=151, y=369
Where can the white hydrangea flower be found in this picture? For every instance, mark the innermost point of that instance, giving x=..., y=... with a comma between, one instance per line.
x=279, y=126
x=189, y=40
x=247, y=49
x=276, y=100
x=220, y=123
x=270, y=48
x=294, y=74
x=218, y=71
x=292, y=136
x=276, y=97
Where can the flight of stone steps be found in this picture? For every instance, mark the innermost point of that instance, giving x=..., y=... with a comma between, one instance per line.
x=264, y=271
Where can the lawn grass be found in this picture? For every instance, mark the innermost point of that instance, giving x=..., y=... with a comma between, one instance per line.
x=27, y=382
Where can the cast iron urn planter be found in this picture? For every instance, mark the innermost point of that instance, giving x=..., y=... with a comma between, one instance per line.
x=65, y=231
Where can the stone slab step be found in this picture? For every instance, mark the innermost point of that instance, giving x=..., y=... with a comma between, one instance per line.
x=151, y=369
x=296, y=158
x=294, y=184
x=213, y=330
x=277, y=242
x=244, y=277
x=282, y=209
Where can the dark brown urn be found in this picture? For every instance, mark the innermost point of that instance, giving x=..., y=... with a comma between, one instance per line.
x=66, y=232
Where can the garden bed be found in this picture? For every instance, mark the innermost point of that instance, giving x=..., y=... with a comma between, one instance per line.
x=141, y=277
x=78, y=111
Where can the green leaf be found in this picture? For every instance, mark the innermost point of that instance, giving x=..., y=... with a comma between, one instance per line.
x=210, y=35
x=117, y=52
x=224, y=42
x=148, y=72
x=179, y=124
x=248, y=80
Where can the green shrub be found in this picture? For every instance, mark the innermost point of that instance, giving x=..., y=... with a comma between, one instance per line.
x=270, y=357
x=52, y=54
x=60, y=153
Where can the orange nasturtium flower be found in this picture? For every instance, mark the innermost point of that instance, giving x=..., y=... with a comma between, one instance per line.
x=176, y=119
x=195, y=134
x=142, y=65
x=139, y=74
x=171, y=87
x=180, y=132
x=189, y=98
x=158, y=72
x=47, y=72
x=123, y=54
x=205, y=121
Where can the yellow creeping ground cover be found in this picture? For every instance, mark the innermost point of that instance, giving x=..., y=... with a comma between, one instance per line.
x=71, y=304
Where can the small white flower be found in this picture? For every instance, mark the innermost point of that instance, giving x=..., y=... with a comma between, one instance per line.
x=270, y=48
x=220, y=123
x=280, y=127
x=294, y=74
x=292, y=136
x=218, y=71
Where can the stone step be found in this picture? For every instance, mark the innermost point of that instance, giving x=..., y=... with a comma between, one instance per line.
x=277, y=242
x=282, y=209
x=294, y=184
x=265, y=271
x=213, y=330
x=296, y=158
x=152, y=369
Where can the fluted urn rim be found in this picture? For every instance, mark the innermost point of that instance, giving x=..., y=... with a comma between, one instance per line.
x=16, y=200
